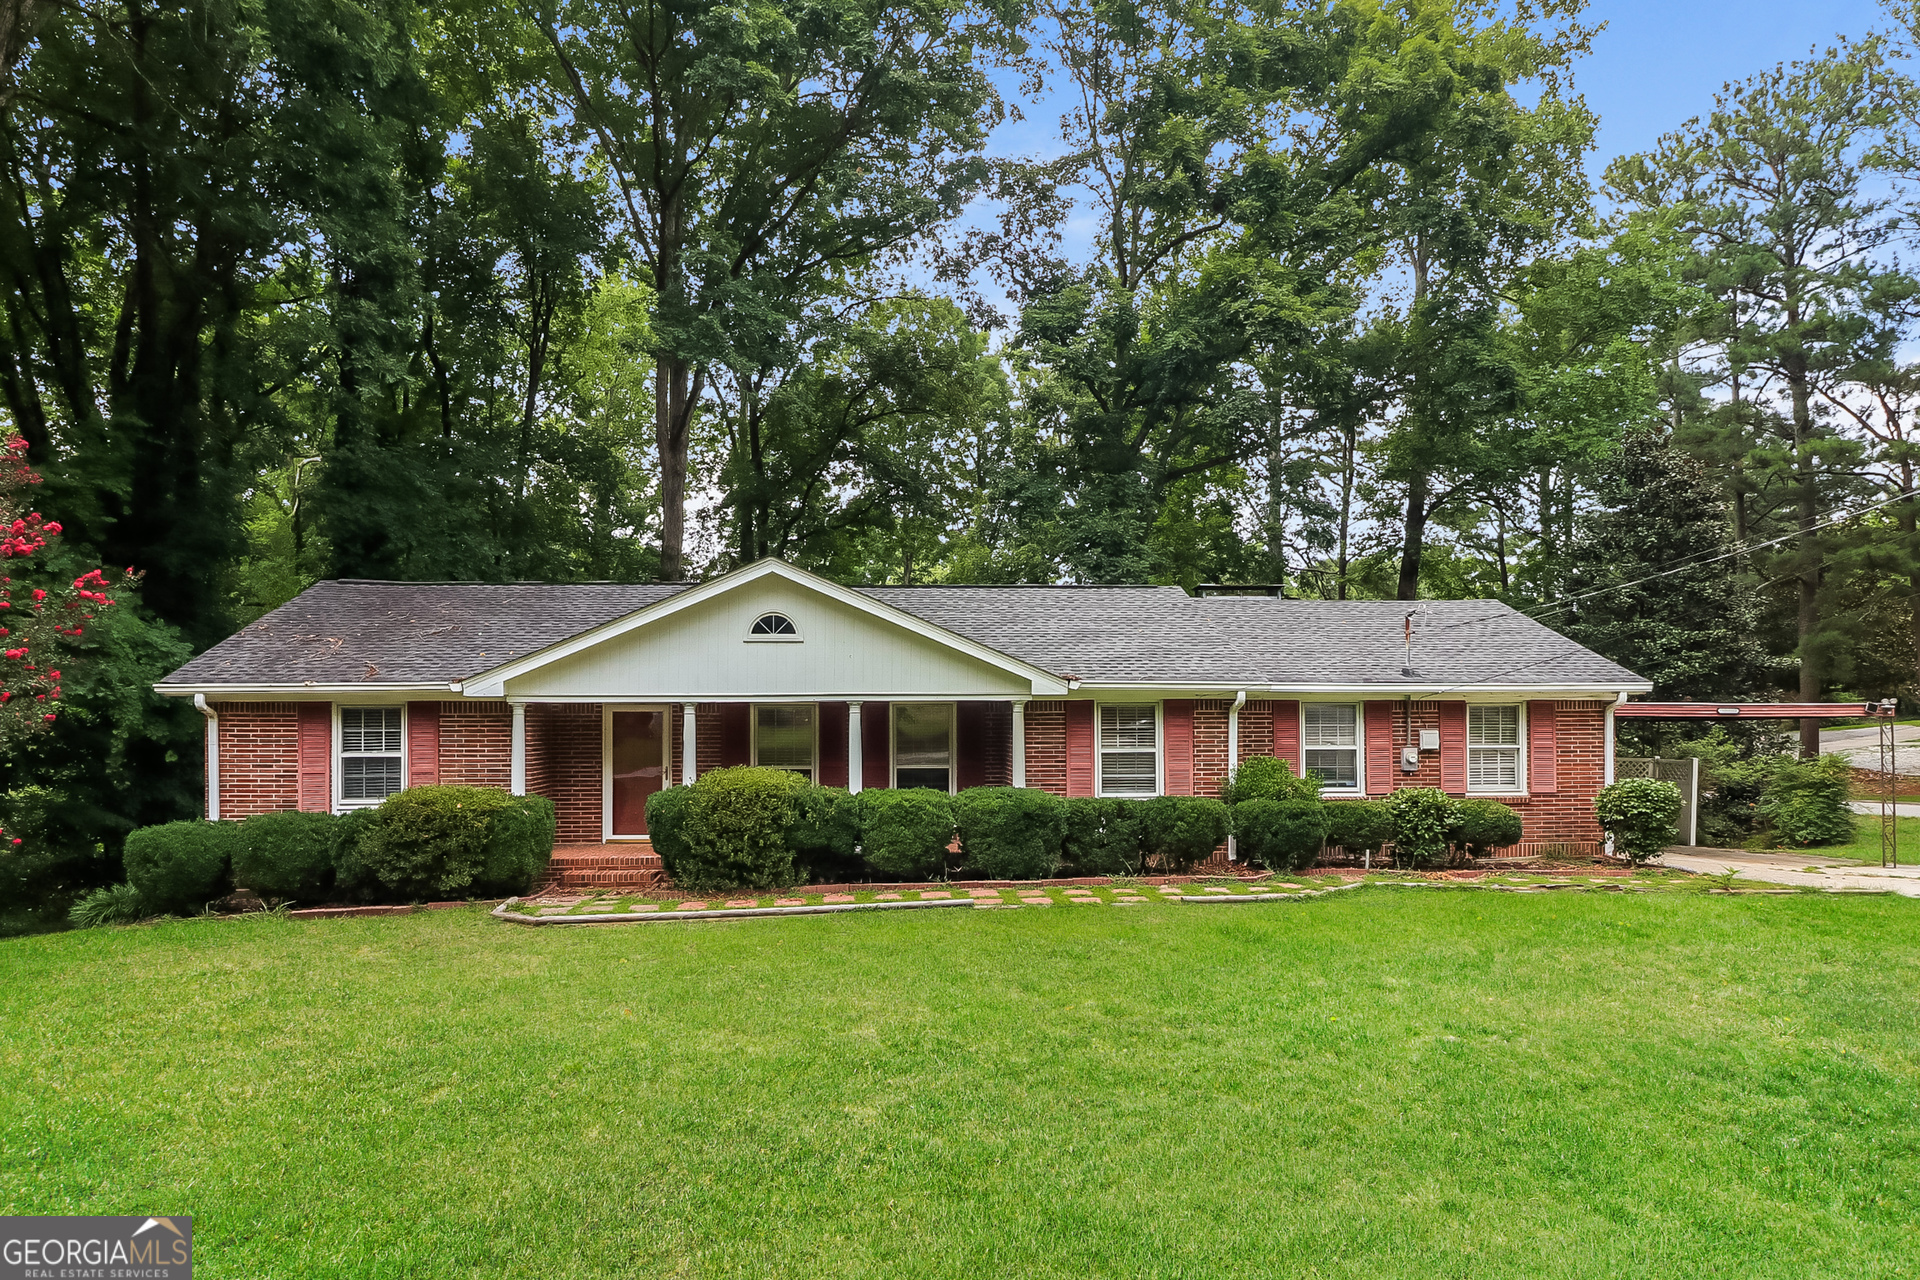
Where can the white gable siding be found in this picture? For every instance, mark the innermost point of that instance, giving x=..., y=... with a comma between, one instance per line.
x=702, y=652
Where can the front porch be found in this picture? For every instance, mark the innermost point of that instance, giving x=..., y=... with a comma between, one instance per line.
x=599, y=761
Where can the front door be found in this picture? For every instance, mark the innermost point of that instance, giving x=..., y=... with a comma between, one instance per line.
x=638, y=757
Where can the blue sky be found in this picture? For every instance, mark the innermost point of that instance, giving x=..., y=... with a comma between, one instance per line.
x=1659, y=61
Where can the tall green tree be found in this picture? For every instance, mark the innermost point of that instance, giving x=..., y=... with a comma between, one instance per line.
x=761, y=154
x=1774, y=192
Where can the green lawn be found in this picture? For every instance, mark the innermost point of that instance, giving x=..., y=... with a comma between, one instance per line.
x=1380, y=1083
x=1865, y=845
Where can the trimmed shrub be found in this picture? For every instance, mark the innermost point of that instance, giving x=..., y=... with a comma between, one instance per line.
x=1103, y=836
x=1178, y=831
x=115, y=904
x=285, y=855
x=1422, y=825
x=431, y=841
x=519, y=846
x=905, y=834
x=825, y=834
x=1359, y=826
x=178, y=866
x=1280, y=835
x=1010, y=833
x=1485, y=825
x=353, y=876
x=736, y=830
x=1806, y=801
x=1268, y=778
x=667, y=826
x=1641, y=814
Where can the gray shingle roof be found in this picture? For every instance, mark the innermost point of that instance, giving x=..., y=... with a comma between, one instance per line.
x=357, y=632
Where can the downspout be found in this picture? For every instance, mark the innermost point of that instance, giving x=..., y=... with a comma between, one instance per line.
x=213, y=755
x=1606, y=772
x=1233, y=754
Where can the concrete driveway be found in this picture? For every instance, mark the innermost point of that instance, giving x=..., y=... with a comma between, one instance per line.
x=1861, y=746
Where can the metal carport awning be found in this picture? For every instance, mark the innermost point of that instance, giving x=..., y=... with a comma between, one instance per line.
x=1747, y=710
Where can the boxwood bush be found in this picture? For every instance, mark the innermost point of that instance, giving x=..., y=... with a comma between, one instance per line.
x=1422, y=826
x=181, y=866
x=1280, y=835
x=1485, y=825
x=353, y=876
x=1103, y=836
x=1268, y=778
x=1641, y=814
x=1359, y=826
x=667, y=826
x=288, y=856
x=904, y=834
x=736, y=830
x=439, y=840
x=1178, y=831
x=1010, y=833
x=825, y=835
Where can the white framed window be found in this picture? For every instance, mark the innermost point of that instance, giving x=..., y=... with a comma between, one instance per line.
x=1129, y=754
x=373, y=754
x=1330, y=744
x=774, y=626
x=784, y=736
x=923, y=745
x=1493, y=749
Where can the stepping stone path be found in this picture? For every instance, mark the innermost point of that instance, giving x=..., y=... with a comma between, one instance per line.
x=691, y=906
x=992, y=894
x=789, y=902
x=934, y=893
x=886, y=897
x=643, y=906
x=837, y=897
x=743, y=902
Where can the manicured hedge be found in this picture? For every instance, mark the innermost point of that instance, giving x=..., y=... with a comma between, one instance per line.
x=1103, y=836
x=736, y=830
x=181, y=866
x=439, y=841
x=1010, y=833
x=1640, y=814
x=825, y=835
x=905, y=834
x=1422, y=826
x=1481, y=826
x=1268, y=778
x=287, y=856
x=1178, y=831
x=1359, y=826
x=1281, y=835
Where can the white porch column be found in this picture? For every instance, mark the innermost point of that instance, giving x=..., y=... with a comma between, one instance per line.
x=517, y=774
x=689, y=745
x=1019, y=742
x=856, y=765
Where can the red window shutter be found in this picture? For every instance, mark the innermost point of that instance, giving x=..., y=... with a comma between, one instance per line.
x=1379, y=730
x=423, y=744
x=833, y=744
x=1286, y=733
x=1453, y=748
x=314, y=732
x=736, y=733
x=876, y=745
x=1543, y=748
x=1079, y=749
x=1176, y=737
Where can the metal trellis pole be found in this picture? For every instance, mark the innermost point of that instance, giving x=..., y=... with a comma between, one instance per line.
x=1889, y=823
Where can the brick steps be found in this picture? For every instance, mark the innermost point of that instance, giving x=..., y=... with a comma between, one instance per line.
x=603, y=866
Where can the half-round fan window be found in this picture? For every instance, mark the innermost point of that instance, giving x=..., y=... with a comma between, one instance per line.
x=773, y=626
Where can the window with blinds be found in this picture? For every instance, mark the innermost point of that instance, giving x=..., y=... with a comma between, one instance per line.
x=1129, y=749
x=1330, y=743
x=1493, y=748
x=372, y=763
x=783, y=737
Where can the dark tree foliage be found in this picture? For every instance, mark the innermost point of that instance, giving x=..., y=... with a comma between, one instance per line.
x=1658, y=582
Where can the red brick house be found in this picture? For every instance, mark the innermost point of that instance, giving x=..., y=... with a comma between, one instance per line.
x=596, y=695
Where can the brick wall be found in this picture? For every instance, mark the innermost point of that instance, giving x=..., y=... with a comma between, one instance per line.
x=564, y=739
x=1047, y=746
x=476, y=744
x=259, y=757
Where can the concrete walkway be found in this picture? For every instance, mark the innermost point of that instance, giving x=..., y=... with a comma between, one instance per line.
x=1872, y=809
x=1798, y=869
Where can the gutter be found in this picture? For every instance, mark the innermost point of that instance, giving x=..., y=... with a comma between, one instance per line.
x=213, y=755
